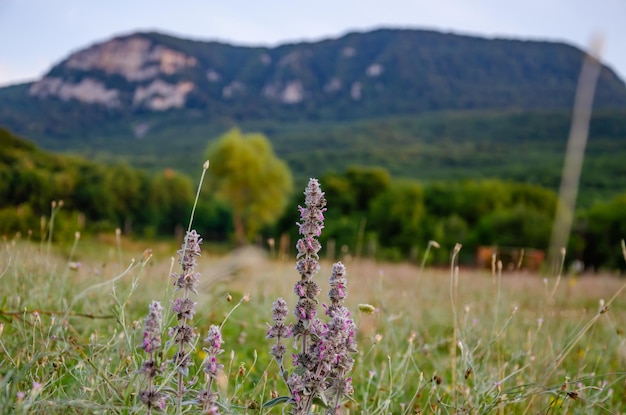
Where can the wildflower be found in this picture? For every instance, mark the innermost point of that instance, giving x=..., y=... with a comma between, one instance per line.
x=279, y=311
x=189, y=251
x=182, y=333
x=152, y=399
x=296, y=385
x=152, y=328
x=311, y=225
x=340, y=337
x=186, y=281
x=214, y=341
x=323, y=360
x=150, y=367
x=181, y=361
x=184, y=308
x=279, y=330
x=338, y=285
x=207, y=398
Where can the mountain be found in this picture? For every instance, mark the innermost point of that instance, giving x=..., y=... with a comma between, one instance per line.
x=155, y=100
x=378, y=73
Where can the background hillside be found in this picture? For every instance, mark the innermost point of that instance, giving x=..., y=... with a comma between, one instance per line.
x=421, y=104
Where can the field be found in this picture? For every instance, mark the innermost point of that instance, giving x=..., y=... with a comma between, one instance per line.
x=429, y=340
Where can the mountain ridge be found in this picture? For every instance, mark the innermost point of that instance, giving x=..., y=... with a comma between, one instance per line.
x=391, y=97
x=360, y=74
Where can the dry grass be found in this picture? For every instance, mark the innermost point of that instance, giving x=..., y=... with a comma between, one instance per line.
x=530, y=345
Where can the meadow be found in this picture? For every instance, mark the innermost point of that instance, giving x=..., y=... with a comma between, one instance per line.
x=444, y=341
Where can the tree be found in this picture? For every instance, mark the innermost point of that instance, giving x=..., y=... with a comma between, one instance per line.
x=248, y=175
x=397, y=215
x=519, y=226
x=129, y=187
x=604, y=229
x=367, y=183
x=171, y=197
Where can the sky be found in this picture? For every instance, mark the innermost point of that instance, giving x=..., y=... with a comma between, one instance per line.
x=36, y=34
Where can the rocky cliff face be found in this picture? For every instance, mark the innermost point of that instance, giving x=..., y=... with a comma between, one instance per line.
x=134, y=58
x=137, y=60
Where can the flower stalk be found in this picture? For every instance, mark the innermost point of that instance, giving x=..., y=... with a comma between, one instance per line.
x=184, y=308
x=151, y=397
x=321, y=366
x=212, y=368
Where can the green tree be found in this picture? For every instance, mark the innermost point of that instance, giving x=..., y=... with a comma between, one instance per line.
x=171, y=197
x=397, y=215
x=605, y=227
x=470, y=198
x=520, y=226
x=251, y=178
x=367, y=183
x=338, y=189
x=447, y=231
x=91, y=196
x=128, y=186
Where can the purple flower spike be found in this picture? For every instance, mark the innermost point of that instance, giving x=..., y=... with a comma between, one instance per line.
x=152, y=328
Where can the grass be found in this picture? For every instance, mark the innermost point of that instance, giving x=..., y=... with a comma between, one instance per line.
x=440, y=341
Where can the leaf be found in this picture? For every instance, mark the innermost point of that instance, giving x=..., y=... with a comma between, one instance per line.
x=321, y=401
x=276, y=401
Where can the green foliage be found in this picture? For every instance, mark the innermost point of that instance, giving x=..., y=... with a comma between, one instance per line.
x=95, y=196
x=525, y=147
x=447, y=231
x=404, y=215
x=171, y=197
x=433, y=106
x=397, y=214
x=214, y=220
x=603, y=227
x=487, y=212
x=248, y=175
x=17, y=219
x=515, y=227
x=475, y=199
x=373, y=213
x=367, y=183
x=352, y=193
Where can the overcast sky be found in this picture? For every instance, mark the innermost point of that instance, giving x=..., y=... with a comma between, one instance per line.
x=35, y=34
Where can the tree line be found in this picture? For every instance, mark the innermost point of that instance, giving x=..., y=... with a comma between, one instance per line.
x=373, y=213
x=370, y=212
x=95, y=197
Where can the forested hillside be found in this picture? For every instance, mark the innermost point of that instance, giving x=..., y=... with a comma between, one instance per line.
x=463, y=136
x=89, y=196
x=373, y=213
x=514, y=145
x=109, y=96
